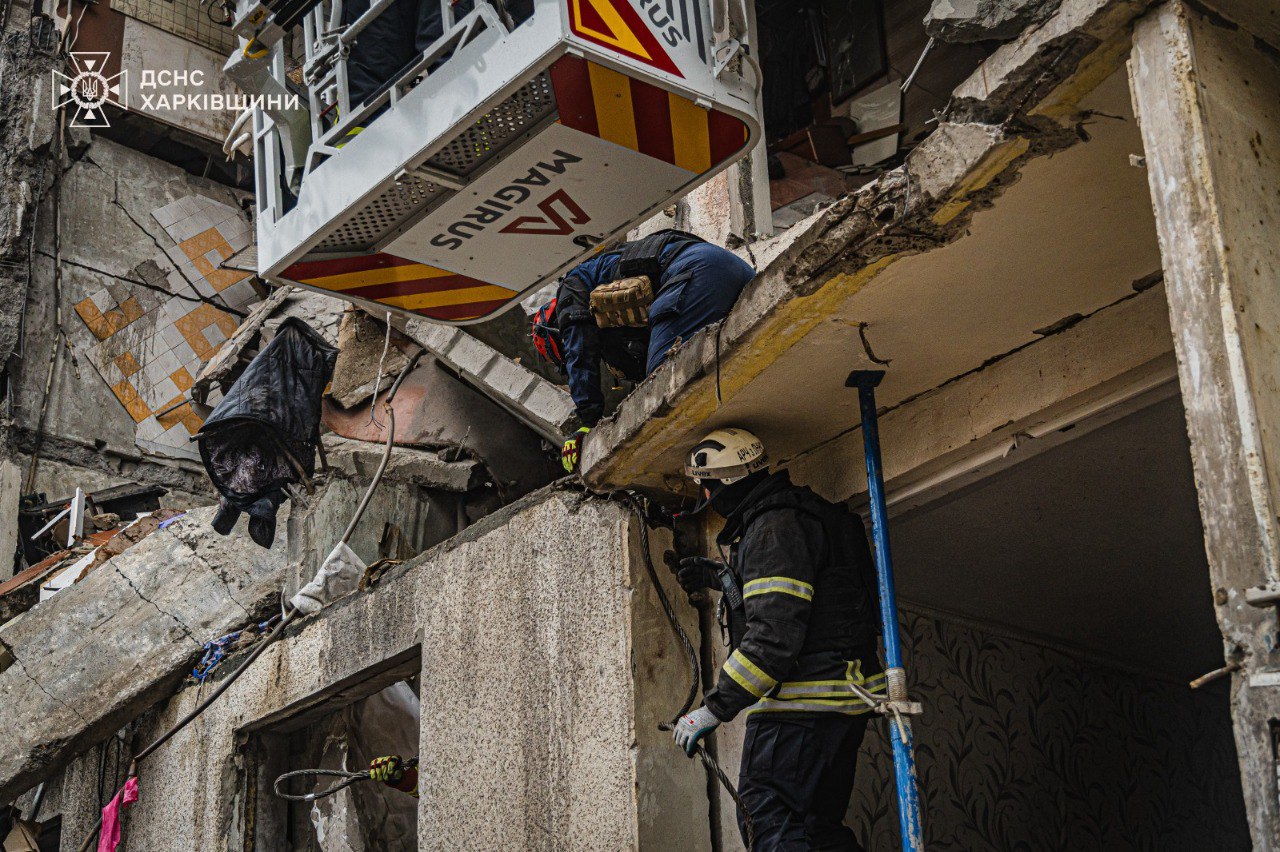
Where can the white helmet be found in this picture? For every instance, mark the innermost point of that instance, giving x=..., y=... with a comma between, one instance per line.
x=726, y=455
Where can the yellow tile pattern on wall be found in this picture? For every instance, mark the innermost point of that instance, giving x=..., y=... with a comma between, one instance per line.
x=150, y=367
x=198, y=247
x=182, y=379
x=131, y=400
x=193, y=327
x=128, y=364
x=103, y=325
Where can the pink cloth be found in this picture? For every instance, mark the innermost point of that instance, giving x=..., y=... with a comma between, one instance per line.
x=109, y=836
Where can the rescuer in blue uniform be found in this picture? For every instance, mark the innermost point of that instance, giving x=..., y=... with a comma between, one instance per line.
x=693, y=284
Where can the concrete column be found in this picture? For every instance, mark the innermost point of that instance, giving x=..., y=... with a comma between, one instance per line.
x=1207, y=93
x=10, y=500
x=751, y=214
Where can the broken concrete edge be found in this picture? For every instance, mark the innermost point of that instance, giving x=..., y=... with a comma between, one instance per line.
x=563, y=488
x=484, y=526
x=1052, y=65
x=369, y=358
x=1013, y=106
x=359, y=460
x=543, y=406
x=61, y=725
x=174, y=474
x=228, y=355
x=967, y=21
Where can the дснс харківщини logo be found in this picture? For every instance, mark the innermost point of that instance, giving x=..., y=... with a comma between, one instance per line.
x=88, y=89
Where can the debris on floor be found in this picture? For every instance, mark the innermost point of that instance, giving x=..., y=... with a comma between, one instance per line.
x=64, y=568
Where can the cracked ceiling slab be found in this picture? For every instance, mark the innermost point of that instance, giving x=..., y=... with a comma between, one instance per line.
x=935, y=267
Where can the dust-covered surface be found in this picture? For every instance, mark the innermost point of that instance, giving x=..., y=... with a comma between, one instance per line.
x=99, y=653
x=1205, y=90
x=963, y=21
x=546, y=666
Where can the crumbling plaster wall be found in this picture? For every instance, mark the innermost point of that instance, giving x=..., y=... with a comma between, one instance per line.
x=83, y=467
x=546, y=667
x=26, y=168
x=26, y=173
x=106, y=232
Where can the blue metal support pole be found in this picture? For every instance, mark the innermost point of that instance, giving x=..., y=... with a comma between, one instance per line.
x=904, y=762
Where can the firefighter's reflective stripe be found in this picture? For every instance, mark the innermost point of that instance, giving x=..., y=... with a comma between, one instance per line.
x=823, y=696
x=812, y=705
x=748, y=675
x=782, y=585
x=827, y=688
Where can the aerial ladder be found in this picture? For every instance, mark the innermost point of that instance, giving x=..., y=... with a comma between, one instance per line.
x=498, y=159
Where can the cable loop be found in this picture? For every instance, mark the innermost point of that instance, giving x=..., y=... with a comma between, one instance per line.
x=349, y=778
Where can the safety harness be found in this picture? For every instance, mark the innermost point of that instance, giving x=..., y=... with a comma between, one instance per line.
x=644, y=256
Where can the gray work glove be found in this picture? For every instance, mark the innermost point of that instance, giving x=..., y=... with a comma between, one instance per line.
x=692, y=727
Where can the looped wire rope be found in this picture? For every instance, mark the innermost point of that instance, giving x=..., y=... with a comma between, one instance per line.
x=349, y=778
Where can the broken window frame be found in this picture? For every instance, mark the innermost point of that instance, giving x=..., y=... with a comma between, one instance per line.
x=264, y=746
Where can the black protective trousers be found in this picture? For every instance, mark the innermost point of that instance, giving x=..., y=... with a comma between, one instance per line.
x=796, y=780
x=391, y=42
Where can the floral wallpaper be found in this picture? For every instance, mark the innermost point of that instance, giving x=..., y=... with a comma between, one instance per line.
x=1026, y=748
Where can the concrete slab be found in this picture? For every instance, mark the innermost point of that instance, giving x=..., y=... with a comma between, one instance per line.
x=541, y=695
x=104, y=650
x=360, y=459
x=542, y=406
x=954, y=259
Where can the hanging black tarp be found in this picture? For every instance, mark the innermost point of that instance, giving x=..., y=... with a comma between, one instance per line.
x=262, y=436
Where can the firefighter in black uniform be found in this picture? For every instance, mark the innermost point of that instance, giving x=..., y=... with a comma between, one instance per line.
x=804, y=631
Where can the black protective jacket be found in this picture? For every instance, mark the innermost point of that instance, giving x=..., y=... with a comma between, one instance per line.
x=263, y=434
x=810, y=615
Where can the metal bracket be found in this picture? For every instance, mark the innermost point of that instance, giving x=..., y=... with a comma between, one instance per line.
x=892, y=709
x=864, y=379
x=726, y=52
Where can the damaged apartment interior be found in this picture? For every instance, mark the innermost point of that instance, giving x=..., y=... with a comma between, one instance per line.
x=299, y=472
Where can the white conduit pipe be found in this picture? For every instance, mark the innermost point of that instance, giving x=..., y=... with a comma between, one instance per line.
x=235, y=137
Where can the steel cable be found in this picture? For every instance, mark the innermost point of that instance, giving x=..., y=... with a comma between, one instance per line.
x=349, y=778
x=633, y=503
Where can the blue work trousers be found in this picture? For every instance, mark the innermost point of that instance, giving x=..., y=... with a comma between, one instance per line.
x=701, y=286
